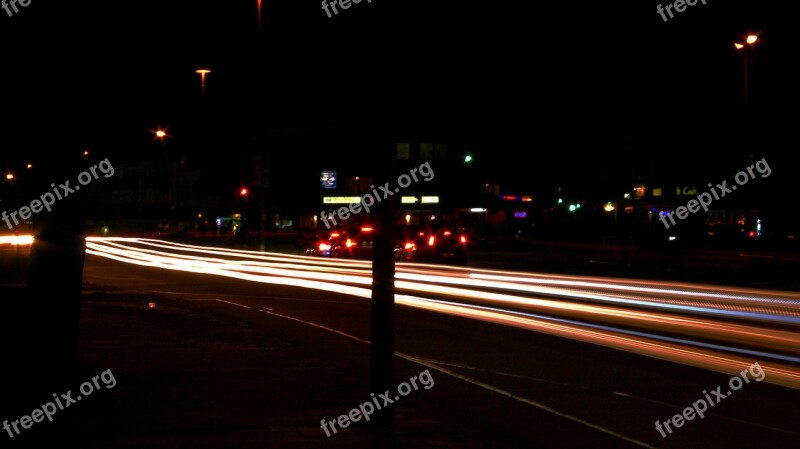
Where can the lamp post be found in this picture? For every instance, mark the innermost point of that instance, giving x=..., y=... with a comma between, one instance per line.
x=258, y=2
x=750, y=41
x=172, y=164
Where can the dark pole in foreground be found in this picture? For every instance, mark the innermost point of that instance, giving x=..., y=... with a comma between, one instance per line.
x=382, y=332
x=383, y=263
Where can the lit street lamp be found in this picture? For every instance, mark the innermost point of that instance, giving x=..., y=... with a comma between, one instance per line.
x=259, y=14
x=203, y=73
x=750, y=40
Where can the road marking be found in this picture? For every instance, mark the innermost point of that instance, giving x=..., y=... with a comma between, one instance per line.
x=525, y=400
x=498, y=373
x=474, y=382
x=235, y=304
x=329, y=329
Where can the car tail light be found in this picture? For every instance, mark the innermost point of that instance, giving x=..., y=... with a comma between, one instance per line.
x=334, y=234
x=349, y=243
x=324, y=247
x=447, y=232
x=410, y=246
x=367, y=229
x=431, y=240
x=463, y=239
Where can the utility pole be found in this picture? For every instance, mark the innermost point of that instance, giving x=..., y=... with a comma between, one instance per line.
x=383, y=263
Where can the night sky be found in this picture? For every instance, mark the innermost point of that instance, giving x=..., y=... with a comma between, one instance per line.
x=549, y=92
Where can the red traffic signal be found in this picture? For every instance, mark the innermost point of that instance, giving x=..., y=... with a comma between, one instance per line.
x=244, y=191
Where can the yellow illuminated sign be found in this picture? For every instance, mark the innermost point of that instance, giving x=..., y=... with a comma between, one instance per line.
x=341, y=199
x=425, y=199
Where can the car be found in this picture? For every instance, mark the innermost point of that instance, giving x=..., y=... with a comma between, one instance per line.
x=446, y=245
x=324, y=245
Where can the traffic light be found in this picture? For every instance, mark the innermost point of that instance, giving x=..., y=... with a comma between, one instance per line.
x=468, y=158
x=243, y=192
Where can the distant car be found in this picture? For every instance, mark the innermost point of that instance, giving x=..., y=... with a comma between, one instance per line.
x=324, y=245
x=350, y=243
x=355, y=243
x=446, y=245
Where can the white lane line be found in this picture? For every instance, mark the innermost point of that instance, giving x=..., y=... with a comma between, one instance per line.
x=530, y=402
x=329, y=329
x=471, y=381
x=498, y=373
x=235, y=304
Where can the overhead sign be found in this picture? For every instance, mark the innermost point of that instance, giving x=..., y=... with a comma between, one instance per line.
x=327, y=179
x=341, y=199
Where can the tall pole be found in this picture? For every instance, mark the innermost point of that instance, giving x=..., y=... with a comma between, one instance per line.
x=259, y=15
x=383, y=264
x=749, y=41
x=746, y=105
x=262, y=192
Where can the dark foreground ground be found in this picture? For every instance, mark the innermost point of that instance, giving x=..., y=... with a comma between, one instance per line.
x=187, y=378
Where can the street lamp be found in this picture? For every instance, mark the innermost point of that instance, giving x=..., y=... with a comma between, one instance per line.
x=259, y=14
x=161, y=134
x=750, y=40
x=203, y=73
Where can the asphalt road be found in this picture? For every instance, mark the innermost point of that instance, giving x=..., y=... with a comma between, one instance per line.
x=533, y=389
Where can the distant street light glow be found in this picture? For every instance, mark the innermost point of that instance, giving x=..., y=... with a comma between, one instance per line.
x=203, y=73
x=751, y=39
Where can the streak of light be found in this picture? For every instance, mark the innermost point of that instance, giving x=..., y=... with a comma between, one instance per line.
x=16, y=240
x=612, y=301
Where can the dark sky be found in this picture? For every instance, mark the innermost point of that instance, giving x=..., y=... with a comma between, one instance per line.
x=553, y=89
